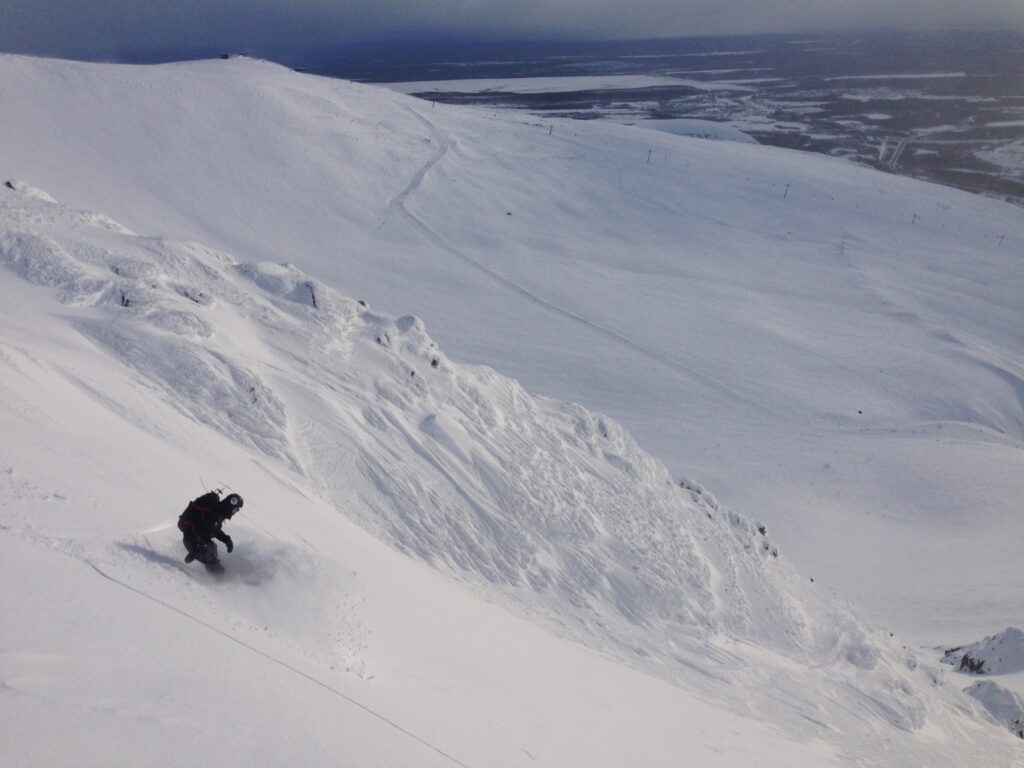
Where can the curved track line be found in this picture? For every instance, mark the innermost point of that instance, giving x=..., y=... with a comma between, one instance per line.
x=435, y=237
x=277, y=661
x=398, y=201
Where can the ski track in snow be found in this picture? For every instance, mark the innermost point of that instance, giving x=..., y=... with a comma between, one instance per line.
x=443, y=145
x=275, y=660
x=440, y=241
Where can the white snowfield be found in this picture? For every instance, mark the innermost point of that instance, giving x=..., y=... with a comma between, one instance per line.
x=435, y=566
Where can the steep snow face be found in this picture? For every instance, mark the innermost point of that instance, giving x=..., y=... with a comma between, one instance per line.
x=814, y=341
x=456, y=465
x=540, y=504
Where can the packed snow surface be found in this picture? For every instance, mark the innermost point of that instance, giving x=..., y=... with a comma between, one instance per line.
x=223, y=284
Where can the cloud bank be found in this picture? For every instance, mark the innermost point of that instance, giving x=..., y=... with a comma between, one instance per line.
x=112, y=27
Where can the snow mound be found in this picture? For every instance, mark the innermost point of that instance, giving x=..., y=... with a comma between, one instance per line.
x=159, y=285
x=21, y=187
x=999, y=654
x=1004, y=705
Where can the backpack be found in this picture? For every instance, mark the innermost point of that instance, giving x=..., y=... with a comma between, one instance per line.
x=197, y=508
x=207, y=500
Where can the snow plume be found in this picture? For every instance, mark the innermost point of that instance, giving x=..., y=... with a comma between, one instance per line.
x=538, y=504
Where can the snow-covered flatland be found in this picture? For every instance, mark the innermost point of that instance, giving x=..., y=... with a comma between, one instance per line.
x=557, y=84
x=435, y=565
x=703, y=129
x=901, y=76
x=1009, y=157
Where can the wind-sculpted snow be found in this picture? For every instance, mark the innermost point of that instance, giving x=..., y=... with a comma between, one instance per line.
x=540, y=504
x=155, y=286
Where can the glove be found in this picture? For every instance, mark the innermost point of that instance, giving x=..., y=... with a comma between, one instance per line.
x=228, y=543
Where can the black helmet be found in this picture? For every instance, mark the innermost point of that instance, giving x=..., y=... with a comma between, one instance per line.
x=233, y=502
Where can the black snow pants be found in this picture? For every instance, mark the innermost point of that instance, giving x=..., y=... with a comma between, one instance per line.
x=202, y=549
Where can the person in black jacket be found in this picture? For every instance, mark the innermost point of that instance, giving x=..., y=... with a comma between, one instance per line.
x=201, y=523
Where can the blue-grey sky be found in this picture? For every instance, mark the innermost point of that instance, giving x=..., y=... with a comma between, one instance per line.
x=111, y=27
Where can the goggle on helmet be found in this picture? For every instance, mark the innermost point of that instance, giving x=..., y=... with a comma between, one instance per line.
x=234, y=502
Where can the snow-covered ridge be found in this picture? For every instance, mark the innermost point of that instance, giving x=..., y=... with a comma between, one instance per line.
x=553, y=508
x=999, y=654
x=1002, y=654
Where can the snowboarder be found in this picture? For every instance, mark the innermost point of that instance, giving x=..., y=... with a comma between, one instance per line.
x=201, y=523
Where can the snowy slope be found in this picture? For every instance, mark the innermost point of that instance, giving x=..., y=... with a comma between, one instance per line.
x=831, y=349
x=131, y=362
x=610, y=598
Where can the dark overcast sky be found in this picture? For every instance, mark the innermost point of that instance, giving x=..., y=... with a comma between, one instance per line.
x=105, y=28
